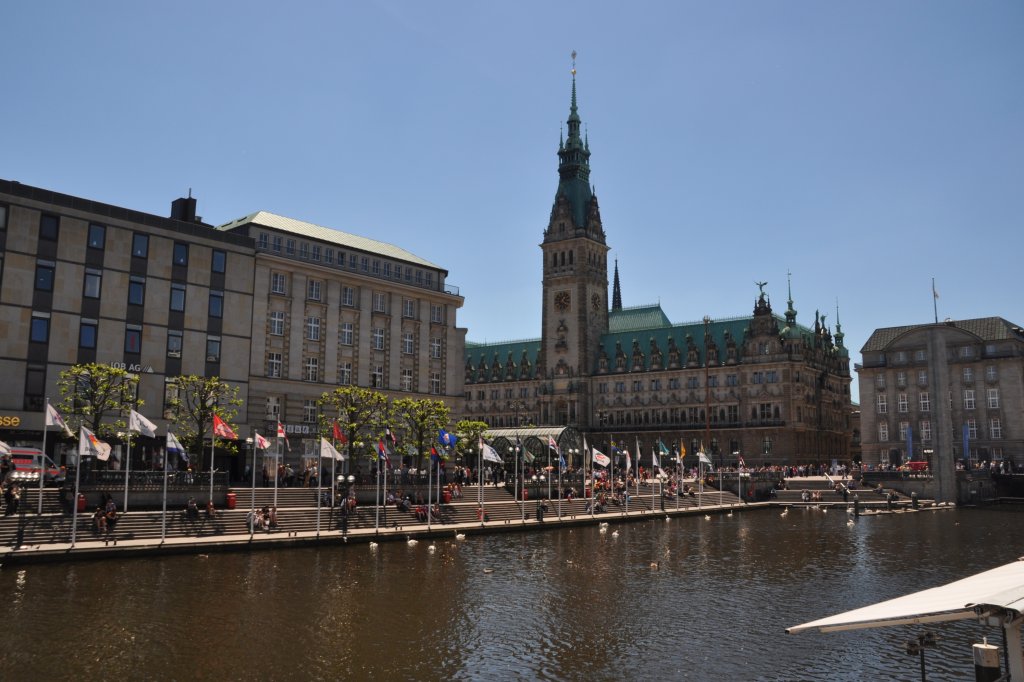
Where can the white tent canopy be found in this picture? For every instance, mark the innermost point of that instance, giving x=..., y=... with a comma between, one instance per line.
x=997, y=596
x=998, y=589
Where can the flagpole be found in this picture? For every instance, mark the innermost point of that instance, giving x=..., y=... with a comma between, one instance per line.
x=679, y=480
x=163, y=517
x=319, y=486
x=430, y=486
x=935, y=301
x=334, y=462
x=639, y=458
x=560, y=494
x=78, y=475
x=127, y=467
x=42, y=462
x=522, y=481
x=376, y=521
x=278, y=460
x=213, y=444
x=252, y=507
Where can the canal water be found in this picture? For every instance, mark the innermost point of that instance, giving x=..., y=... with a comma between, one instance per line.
x=686, y=599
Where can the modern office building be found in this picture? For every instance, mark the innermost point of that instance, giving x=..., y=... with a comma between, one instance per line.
x=83, y=281
x=760, y=385
x=336, y=309
x=976, y=365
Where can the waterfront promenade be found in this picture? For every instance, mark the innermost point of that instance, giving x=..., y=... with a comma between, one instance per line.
x=28, y=537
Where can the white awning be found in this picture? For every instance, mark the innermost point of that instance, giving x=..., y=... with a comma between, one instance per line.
x=1001, y=588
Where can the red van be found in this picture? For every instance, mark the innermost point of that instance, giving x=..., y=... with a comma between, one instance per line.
x=28, y=462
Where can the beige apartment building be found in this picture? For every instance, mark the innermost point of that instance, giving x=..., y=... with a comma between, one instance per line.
x=336, y=309
x=83, y=281
x=954, y=388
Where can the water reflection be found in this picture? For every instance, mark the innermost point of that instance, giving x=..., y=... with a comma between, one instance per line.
x=689, y=599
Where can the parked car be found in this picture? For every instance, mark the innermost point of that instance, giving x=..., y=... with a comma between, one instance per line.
x=28, y=462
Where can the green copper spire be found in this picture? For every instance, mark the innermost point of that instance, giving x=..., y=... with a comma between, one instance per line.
x=574, y=164
x=616, y=290
x=790, y=311
x=839, y=328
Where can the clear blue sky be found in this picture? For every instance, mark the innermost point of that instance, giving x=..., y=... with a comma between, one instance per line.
x=865, y=146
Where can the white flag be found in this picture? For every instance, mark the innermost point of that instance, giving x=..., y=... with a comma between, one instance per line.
x=262, y=443
x=174, y=447
x=704, y=458
x=53, y=418
x=600, y=458
x=490, y=454
x=91, y=446
x=328, y=451
x=5, y=449
x=629, y=461
x=136, y=422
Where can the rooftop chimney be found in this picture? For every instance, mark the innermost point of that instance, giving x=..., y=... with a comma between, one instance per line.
x=184, y=209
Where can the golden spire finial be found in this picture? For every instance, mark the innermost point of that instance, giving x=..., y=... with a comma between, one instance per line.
x=574, y=62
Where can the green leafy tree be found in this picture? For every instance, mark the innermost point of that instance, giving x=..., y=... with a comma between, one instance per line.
x=191, y=406
x=469, y=433
x=97, y=397
x=420, y=420
x=361, y=414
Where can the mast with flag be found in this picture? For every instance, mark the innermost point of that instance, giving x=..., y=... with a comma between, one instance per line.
x=175, y=447
x=52, y=418
x=220, y=428
x=88, y=446
x=144, y=427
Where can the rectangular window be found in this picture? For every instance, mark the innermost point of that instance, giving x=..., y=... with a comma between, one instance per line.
x=311, y=369
x=378, y=338
x=276, y=243
x=880, y=380
x=972, y=429
x=213, y=349
x=44, y=275
x=901, y=356
x=220, y=261
x=883, y=432
x=375, y=269
x=919, y=356
x=925, y=402
x=436, y=314
x=87, y=330
x=419, y=273
x=966, y=352
x=274, y=365
x=289, y=247
x=408, y=274
x=364, y=263
x=765, y=411
x=990, y=373
x=313, y=289
x=3, y=217
x=406, y=379
x=379, y=302
x=881, y=403
x=277, y=323
x=398, y=272
x=49, y=227
x=313, y=328
x=180, y=253
x=133, y=339
x=922, y=378
x=407, y=343
x=435, y=347
x=136, y=291
x=346, y=334
x=903, y=430
x=329, y=256
x=968, y=375
x=353, y=261
x=995, y=428
x=93, y=280
x=377, y=376
x=35, y=387
x=992, y=398
x=430, y=280
x=348, y=297
x=97, y=236
x=731, y=380
x=140, y=245
x=902, y=402
x=216, y=303
x=278, y=283
x=387, y=269
x=969, y=399
x=173, y=344
x=408, y=308
x=435, y=383
x=732, y=413
x=304, y=251
x=309, y=411
x=178, y=297
x=274, y=407
x=901, y=379
x=171, y=395
x=925, y=428
x=263, y=241
x=345, y=373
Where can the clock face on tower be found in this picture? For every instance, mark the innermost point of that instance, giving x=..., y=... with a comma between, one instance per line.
x=562, y=301
x=595, y=302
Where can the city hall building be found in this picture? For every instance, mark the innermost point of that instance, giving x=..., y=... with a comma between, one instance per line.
x=761, y=386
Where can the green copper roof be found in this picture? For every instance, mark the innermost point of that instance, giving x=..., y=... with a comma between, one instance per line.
x=486, y=352
x=574, y=167
x=637, y=317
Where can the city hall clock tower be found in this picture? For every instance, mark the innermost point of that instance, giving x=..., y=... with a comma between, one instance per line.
x=575, y=284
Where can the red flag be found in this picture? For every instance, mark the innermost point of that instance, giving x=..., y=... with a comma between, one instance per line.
x=222, y=429
x=281, y=434
x=338, y=435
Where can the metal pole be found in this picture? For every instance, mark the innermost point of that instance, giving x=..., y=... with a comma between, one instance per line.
x=430, y=487
x=163, y=516
x=213, y=444
x=127, y=469
x=522, y=484
x=42, y=462
x=319, y=486
x=376, y=522
x=74, y=508
x=277, y=463
x=252, y=504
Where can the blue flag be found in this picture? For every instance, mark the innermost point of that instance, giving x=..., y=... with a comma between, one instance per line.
x=447, y=439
